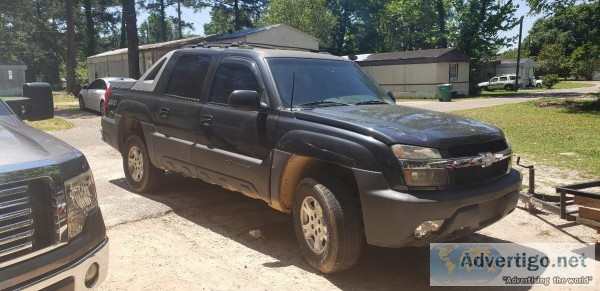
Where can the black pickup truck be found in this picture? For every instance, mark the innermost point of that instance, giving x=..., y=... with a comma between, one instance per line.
x=52, y=234
x=314, y=135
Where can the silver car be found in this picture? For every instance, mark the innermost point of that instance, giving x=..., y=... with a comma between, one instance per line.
x=92, y=96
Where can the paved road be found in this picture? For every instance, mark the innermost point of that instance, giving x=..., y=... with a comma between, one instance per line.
x=193, y=236
x=477, y=103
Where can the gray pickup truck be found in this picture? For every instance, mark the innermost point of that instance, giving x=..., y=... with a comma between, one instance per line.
x=52, y=234
x=313, y=135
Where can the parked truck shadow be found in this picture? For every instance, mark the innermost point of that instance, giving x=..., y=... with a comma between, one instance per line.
x=233, y=215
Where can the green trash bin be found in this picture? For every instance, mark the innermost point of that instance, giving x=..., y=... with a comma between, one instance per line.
x=445, y=92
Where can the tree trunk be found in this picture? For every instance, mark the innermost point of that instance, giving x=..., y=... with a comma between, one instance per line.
x=236, y=16
x=90, y=30
x=123, y=39
x=441, y=12
x=163, y=21
x=71, y=46
x=133, y=51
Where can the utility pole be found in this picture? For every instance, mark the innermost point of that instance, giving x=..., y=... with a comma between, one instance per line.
x=519, y=54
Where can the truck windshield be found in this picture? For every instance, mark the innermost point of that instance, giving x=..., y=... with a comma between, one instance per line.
x=318, y=83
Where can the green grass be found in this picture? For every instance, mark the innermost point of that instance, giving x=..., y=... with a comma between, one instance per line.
x=53, y=124
x=58, y=98
x=63, y=98
x=557, y=132
x=570, y=85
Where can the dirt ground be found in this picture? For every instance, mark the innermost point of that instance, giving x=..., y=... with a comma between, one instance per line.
x=195, y=236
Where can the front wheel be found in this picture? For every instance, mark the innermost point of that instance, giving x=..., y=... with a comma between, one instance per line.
x=140, y=174
x=81, y=103
x=327, y=225
x=538, y=85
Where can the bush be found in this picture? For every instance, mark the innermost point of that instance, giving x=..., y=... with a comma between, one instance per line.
x=549, y=80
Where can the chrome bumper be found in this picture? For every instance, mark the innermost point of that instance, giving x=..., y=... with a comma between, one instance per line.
x=73, y=275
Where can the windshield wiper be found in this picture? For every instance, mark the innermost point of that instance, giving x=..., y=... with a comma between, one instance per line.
x=322, y=103
x=370, y=102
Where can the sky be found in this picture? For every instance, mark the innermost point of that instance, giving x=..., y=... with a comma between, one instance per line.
x=527, y=24
x=187, y=14
x=202, y=17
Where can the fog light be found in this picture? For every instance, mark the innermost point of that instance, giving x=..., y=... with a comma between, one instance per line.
x=427, y=228
x=91, y=277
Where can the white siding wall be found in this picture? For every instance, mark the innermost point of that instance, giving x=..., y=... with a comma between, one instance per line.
x=12, y=86
x=285, y=36
x=419, y=80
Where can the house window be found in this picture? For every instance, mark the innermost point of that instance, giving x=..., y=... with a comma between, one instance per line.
x=453, y=72
x=10, y=76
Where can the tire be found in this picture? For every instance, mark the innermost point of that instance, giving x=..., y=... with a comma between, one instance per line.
x=140, y=174
x=538, y=85
x=508, y=87
x=101, y=109
x=334, y=239
x=81, y=103
x=484, y=88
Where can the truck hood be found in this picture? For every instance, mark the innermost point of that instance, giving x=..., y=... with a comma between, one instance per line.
x=406, y=125
x=20, y=143
x=483, y=84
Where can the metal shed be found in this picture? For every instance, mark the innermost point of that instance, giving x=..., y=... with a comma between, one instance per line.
x=526, y=69
x=114, y=63
x=416, y=74
x=12, y=77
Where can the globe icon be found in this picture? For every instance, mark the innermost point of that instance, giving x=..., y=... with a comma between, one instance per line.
x=456, y=264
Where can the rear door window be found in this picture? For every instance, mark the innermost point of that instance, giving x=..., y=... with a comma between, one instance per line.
x=232, y=76
x=187, y=78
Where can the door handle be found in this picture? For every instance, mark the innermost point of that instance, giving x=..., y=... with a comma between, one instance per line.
x=164, y=112
x=206, y=120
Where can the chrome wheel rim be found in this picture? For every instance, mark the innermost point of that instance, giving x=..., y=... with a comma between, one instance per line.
x=135, y=163
x=314, y=227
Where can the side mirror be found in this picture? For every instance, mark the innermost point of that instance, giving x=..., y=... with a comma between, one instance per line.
x=245, y=99
x=84, y=87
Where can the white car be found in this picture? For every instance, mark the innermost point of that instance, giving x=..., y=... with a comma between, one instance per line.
x=92, y=96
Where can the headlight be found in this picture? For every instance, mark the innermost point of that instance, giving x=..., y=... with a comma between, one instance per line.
x=408, y=152
x=417, y=165
x=81, y=199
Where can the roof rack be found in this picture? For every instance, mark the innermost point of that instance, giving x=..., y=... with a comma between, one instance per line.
x=247, y=45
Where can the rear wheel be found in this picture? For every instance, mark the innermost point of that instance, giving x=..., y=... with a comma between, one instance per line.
x=140, y=174
x=327, y=225
x=508, y=87
x=81, y=103
x=538, y=85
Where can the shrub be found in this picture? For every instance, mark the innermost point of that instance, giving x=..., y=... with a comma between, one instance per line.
x=549, y=80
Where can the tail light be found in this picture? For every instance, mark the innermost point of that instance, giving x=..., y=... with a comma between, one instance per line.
x=106, y=97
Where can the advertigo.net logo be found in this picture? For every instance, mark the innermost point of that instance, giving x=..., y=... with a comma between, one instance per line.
x=510, y=264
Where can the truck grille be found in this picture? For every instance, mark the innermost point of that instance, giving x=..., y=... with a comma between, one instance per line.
x=471, y=150
x=478, y=174
x=26, y=224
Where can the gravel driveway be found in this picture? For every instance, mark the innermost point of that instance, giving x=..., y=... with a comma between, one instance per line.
x=194, y=236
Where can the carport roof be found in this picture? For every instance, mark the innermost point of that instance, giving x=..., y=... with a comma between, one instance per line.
x=413, y=57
